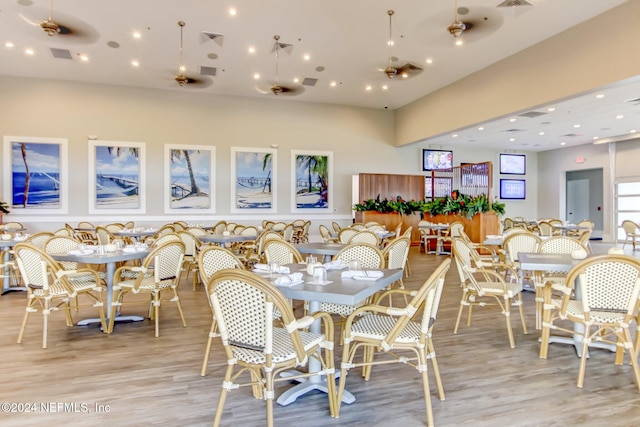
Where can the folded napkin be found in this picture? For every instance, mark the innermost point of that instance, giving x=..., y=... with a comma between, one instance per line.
x=362, y=274
x=289, y=279
x=264, y=268
x=493, y=236
x=335, y=265
x=80, y=252
x=21, y=238
x=130, y=249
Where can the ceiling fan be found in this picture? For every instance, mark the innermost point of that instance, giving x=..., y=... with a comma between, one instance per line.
x=71, y=28
x=476, y=23
x=404, y=71
x=278, y=89
x=181, y=77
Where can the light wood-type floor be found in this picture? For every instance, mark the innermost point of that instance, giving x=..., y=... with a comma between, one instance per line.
x=147, y=381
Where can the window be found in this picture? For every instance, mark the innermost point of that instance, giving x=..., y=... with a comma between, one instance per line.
x=627, y=203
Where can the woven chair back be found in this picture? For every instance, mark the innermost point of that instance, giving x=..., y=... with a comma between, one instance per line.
x=364, y=236
x=368, y=255
x=397, y=252
x=282, y=252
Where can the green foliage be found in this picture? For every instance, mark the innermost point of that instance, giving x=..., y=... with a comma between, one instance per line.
x=456, y=203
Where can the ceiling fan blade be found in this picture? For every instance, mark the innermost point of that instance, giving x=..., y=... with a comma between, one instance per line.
x=194, y=83
x=71, y=30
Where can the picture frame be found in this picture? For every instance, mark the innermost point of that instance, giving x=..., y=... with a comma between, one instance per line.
x=253, y=180
x=311, y=181
x=513, y=164
x=189, y=179
x=117, y=177
x=513, y=189
x=436, y=159
x=36, y=175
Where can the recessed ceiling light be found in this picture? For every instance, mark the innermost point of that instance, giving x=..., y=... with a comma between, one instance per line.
x=563, y=143
x=619, y=116
x=512, y=139
x=29, y=51
x=455, y=135
x=632, y=131
x=307, y=57
x=252, y=49
x=256, y=76
x=390, y=43
x=8, y=44
x=84, y=58
x=137, y=35
x=512, y=119
x=368, y=87
x=429, y=61
x=296, y=80
x=481, y=128
x=540, y=133
x=600, y=96
x=233, y=11
x=459, y=42
x=595, y=138
x=385, y=87
x=135, y=63
x=576, y=126
x=551, y=109
x=333, y=84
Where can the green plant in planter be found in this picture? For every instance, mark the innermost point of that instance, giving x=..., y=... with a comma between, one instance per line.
x=397, y=205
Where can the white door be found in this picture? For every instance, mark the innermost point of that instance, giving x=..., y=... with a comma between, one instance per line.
x=577, y=200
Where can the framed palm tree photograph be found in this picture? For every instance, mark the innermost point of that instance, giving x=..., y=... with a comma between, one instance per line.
x=36, y=175
x=254, y=181
x=311, y=178
x=189, y=179
x=117, y=177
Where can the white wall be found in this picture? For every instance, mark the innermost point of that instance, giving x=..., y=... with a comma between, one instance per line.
x=360, y=139
x=617, y=160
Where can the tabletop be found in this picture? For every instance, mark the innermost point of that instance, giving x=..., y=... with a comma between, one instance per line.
x=221, y=238
x=546, y=262
x=341, y=290
x=319, y=248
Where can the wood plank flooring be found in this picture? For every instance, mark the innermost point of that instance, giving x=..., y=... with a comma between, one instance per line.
x=140, y=380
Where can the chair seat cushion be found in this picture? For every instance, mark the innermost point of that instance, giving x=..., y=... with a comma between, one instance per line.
x=341, y=309
x=513, y=288
x=282, y=347
x=55, y=289
x=376, y=327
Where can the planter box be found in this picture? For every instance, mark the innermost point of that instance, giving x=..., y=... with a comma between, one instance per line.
x=476, y=228
x=391, y=221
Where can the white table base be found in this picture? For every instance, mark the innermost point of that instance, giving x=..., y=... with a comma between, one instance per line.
x=307, y=385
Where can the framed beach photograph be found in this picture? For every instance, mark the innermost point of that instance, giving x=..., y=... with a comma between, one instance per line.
x=311, y=178
x=189, y=179
x=36, y=178
x=253, y=180
x=117, y=177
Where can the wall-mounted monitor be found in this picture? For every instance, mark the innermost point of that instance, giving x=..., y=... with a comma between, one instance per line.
x=513, y=164
x=436, y=159
x=513, y=189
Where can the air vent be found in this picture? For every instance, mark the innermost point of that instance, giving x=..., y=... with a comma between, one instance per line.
x=211, y=36
x=61, y=53
x=512, y=130
x=532, y=114
x=308, y=81
x=514, y=3
x=208, y=71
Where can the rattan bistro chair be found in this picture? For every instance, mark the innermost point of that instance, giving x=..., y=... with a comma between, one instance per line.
x=607, y=290
x=166, y=260
x=211, y=260
x=632, y=233
x=243, y=304
x=482, y=284
x=282, y=252
x=51, y=287
x=391, y=331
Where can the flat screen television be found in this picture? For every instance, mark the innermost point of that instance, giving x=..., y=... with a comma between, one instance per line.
x=513, y=164
x=513, y=189
x=436, y=159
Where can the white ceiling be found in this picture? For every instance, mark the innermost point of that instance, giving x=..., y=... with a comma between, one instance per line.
x=346, y=42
